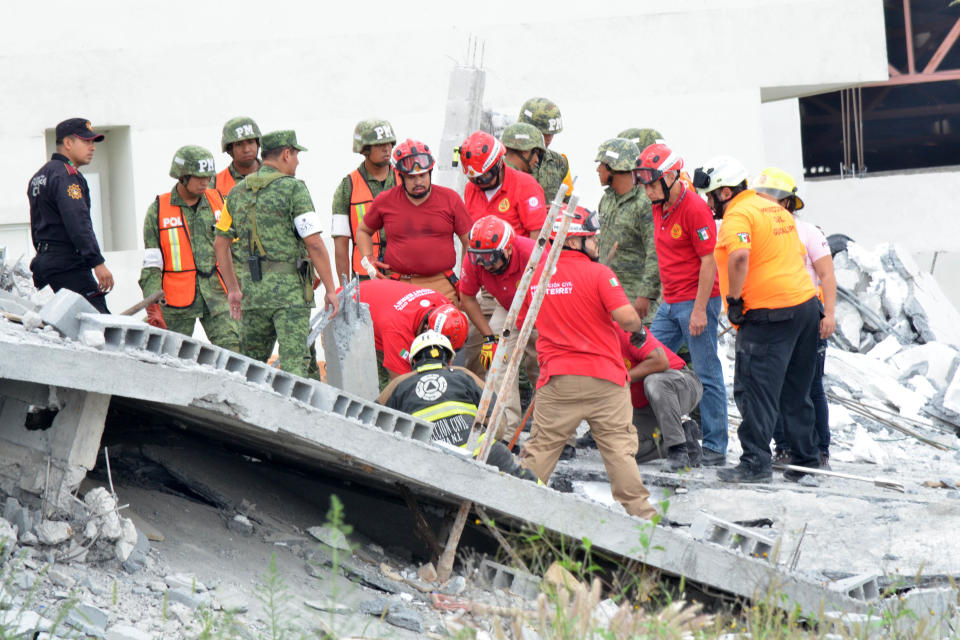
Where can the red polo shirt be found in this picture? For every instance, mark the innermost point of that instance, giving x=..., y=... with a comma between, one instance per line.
x=682, y=236
x=419, y=237
x=576, y=334
x=397, y=309
x=519, y=201
x=501, y=286
x=633, y=356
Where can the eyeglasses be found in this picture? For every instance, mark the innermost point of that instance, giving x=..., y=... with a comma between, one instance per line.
x=415, y=163
x=486, y=258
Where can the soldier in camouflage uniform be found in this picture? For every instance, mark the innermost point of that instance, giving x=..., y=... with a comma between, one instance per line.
x=525, y=147
x=241, y=140
x=279, y=247
x=179, y=257
x=554, y=169
x=374, y=140
x=626, y=231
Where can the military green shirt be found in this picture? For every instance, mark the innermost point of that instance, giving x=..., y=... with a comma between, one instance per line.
x=277, y=200
x=341, y=199
x=550, y=173
x=627, y=221
x=200, y=223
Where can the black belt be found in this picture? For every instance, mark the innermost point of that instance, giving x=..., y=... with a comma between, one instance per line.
x=44, y=247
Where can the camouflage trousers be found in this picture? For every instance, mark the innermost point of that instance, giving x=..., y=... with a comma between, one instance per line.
x=289, y=328
x=221, y=329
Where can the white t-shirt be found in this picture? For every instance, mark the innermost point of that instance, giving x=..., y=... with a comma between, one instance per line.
x=816, y=245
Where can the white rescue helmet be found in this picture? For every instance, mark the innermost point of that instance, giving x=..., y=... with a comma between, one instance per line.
x=435, y=342
x=720, y=171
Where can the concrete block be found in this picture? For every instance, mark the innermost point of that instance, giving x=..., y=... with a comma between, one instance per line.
x=54, y=532
x=10, y=305
x=63, y=312
x=89, y=619
x=516, y=581
x=731, y=536
x=350, y=354
x=859, y=587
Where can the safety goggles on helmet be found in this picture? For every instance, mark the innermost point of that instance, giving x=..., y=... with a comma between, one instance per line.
x=415, y=163
x=646, y=175
x=490, y=178
x=591, y=223
x=490, y=258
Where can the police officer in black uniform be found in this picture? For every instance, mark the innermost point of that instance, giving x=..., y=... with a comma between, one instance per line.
x=446, y=396
x=60, y=222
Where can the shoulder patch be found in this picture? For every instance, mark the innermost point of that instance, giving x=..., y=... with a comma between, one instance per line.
x=73, y=190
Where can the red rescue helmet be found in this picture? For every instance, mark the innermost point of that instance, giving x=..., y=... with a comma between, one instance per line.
x=412, y=157
x=584, y=223
x=480, y=154
x=656, y=160
x=489, y=237
x=449, y=321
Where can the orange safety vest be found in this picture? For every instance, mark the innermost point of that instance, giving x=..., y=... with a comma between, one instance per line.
x=360, y=197
x=225, y=182
x=179, y=269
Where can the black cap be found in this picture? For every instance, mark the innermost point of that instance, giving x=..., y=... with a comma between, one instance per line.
x=79, y=127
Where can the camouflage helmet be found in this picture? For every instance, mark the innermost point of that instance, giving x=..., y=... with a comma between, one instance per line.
x=522, y=136
x=373, y=131
x=237, y=129
x=542, y=113
x=192, y=160
x=643, y=138
x=619, y=154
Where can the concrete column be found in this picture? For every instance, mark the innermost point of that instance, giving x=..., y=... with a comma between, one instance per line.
x=464, y=109
x=78, y=427
x=349, y=349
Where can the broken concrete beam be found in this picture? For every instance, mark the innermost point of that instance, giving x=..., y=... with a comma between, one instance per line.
x=516, y=581
x=349, y=349
x=64, y=310
x=732, y=536
x=861, y=587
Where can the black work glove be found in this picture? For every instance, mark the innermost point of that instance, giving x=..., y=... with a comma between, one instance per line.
x=637, y=338
x=735, y=310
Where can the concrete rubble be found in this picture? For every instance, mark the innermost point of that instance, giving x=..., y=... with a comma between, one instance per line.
x=59, y=378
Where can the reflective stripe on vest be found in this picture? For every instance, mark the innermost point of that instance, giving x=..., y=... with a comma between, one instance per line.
x=445, y=410
x=360, y=197
x=179, y=268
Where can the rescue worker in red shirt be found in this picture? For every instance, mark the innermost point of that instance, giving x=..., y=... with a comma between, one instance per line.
x=495, y=189
x=400, y=312
x=420, y=219
x=582, y=376
x=662, y=390
x=496, y=259
x=685, y=235
x=374, y=140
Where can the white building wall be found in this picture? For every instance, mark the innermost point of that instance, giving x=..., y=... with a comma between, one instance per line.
x=174, y=71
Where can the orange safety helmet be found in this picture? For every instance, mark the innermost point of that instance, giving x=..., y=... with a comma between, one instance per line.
x=412, y=157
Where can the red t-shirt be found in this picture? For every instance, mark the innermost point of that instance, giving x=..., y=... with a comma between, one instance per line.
x=577, y=335
x=633, y=356
x=519, y=201
x=419, y=237
x=504, y=285
x=397, y=309
x=687, y=233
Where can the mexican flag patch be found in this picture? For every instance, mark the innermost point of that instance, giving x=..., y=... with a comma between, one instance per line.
x=703, y=233
x=613, y=282
x=744, y=237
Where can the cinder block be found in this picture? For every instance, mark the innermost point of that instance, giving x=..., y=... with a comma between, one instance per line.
x=727, y=534
x=860, y=587
x=519, y=582
x=63, y=312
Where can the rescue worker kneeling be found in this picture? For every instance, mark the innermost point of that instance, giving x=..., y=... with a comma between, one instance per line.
x=446, y=396
x=662, y=390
